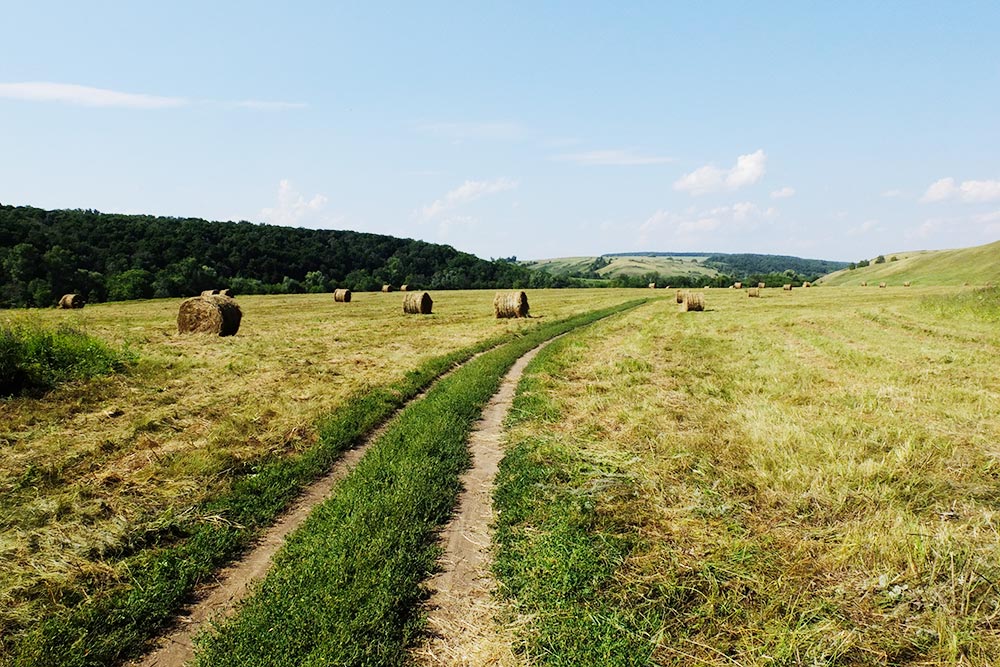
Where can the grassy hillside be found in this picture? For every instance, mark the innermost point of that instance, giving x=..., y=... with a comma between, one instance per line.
x=625, y=265
x=977, y=266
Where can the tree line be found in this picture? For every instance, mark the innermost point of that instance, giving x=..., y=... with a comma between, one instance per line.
x=112, y=257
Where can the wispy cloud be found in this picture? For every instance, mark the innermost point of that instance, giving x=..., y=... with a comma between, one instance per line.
x=293, y=209
x=612, y=157
x=748, y=169
x=783, y=193
x=68, y=93
x=89, y=96
x=891, y=194
x=968, y=191
x=463, y=131
x=692, y=223
x=467, y=192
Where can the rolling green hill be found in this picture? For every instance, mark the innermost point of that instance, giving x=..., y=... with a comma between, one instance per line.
x=625, y=265
x=976, y=266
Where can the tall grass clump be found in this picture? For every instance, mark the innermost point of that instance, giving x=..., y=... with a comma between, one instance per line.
x=981, y=304
x=37, y=358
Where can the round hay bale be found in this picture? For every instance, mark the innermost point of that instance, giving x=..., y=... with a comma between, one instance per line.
x=881, y=284
x=737, y=285
x=510, y=304
x=761, y=285
x=906, y=284
x=864, y=283
x=342, y=295
x=417, y=303
x=216, y=314
x=680, y=296
x=807, y=284
x=753, y=291
x=71, y=301
x=404, y=288
x=693, y=301
x=652, y=285
x=787, y=287
x=387, y=288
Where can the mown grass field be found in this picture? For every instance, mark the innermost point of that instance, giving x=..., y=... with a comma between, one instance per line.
x=94, y=472
x=809, y=478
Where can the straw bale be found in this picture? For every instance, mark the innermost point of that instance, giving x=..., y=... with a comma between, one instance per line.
x=652, y=285
x=417, y=303
x=510, y=304
x=864, y=283
x=71, y=301
x=387, y=288
x=693, y=301
x=761, y=285
x=753, y=291
x=404, y=288
x=807, y=284
x=216, y=314
x=881, y=284
x=342, y=295
x=906, y=284
x=737, y=285
x=787, y=287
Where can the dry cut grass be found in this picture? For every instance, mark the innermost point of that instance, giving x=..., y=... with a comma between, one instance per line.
x=797, y=481
x=93, y=471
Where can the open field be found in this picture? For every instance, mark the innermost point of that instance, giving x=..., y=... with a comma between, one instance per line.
x=94, y=472
x=628, y=265
x=809, y=478
x=977, y=266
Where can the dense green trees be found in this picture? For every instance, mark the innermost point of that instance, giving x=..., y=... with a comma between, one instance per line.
x=45, y=254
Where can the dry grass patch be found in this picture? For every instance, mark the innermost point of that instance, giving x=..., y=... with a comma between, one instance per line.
x=92, y=472
x=778, y=485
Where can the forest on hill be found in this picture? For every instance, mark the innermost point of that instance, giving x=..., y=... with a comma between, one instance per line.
x=112, y=257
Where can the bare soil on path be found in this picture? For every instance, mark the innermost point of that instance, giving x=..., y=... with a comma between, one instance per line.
x=461, y=610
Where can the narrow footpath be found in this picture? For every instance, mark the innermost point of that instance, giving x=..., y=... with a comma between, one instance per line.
x=462, y=607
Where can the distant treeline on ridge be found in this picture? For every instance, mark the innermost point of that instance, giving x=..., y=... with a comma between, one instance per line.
x=111, y=257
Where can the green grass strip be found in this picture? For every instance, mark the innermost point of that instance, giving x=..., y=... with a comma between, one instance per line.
x=345, y=588
x=556, y=554
x=114, y=625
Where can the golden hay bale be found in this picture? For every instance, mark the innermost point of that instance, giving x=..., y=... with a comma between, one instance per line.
x=753, y=291
x=737, y=285
x=761, y=285
x=71, y=301
x=404, y=288
x=417, y=303
x=680, y=296
x=216, y=314
x=807, y=284
x=787, y=287
x=864, y=283
x=342, y=295
x=881, y=284
x=652, y=285
x=906, y=284
x=693, y=301
x=387, y=288
x=510, y=304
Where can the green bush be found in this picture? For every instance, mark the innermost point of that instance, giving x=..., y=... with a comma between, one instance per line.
x=35, y=358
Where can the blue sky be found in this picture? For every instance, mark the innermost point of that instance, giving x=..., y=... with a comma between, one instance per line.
x=832, y=130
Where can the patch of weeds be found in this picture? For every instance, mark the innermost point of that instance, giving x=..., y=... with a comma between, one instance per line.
x=34, y=358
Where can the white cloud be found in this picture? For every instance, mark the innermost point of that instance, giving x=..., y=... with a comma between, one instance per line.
x=993, y=216
x=467, y=192
x=783, y=193
x=968, y=191
x=865, y=227
x=293, y=210
x=455, y=222
x=692, y=224
x=88, y=96
x=67, y=93
x=748, y=169
x=613, y=157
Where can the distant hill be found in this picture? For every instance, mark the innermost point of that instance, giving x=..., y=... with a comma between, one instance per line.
x=111, y=257
x=977, y=266
x=687, y=268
